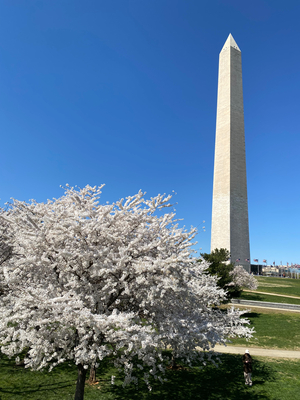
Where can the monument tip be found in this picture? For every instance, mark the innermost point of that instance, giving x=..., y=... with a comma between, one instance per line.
x=230, y=42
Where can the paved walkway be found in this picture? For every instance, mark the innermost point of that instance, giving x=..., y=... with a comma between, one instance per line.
x=265, y=306
x=275, y=353
x=272, y=294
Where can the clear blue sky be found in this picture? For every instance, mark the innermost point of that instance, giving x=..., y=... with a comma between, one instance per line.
x=123, y=92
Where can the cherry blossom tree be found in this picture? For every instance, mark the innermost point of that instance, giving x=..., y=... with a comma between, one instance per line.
x=89, y=281
x=242, y=279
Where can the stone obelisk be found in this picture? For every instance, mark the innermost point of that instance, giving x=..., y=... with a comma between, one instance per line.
x=230, y=228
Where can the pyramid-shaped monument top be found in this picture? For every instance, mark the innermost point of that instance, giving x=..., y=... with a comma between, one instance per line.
x=230, y=42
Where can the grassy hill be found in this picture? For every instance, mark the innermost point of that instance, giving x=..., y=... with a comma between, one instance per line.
x=274, y=328
x=266, y=297
x=287, y=286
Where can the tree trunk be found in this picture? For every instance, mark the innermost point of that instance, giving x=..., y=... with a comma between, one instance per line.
x=173, y=362
x=80, y=383
x=21, y=363
x=92, y=378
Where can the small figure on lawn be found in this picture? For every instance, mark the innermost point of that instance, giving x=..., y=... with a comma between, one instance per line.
x=247, y=360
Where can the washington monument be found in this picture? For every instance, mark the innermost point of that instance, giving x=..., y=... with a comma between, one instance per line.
x=230, y=228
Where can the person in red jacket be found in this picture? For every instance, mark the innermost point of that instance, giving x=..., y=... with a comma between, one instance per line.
x=247, y=361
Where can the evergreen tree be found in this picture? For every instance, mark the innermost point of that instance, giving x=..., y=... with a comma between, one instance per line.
x=220, y=266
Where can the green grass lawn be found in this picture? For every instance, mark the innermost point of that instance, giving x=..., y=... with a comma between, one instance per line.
x=274, y=329
x=272, y=380
x=269, y=298
x=286, y=286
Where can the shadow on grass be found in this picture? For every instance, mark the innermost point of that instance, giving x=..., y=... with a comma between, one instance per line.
x=252, y=296
x=21, y=381
x=18, y=383
x=252, y=315
x=209, y=383
x=21, y=389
